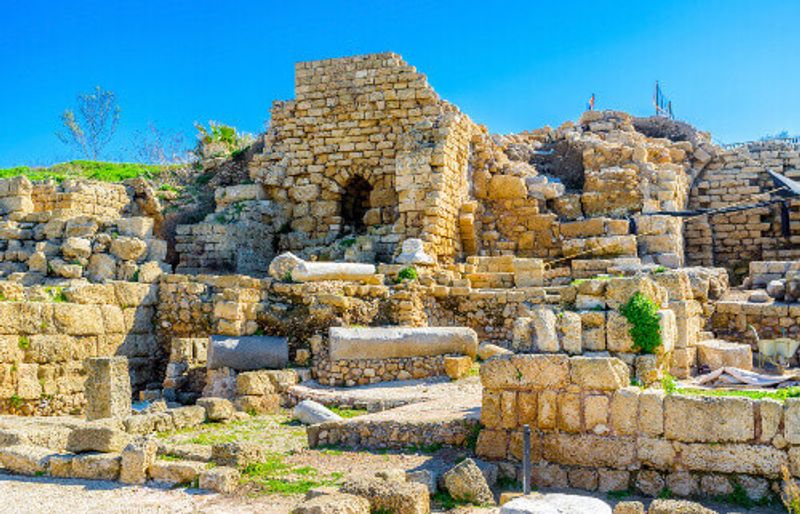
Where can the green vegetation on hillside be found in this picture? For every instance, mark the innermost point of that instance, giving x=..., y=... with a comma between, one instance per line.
x=93, y=170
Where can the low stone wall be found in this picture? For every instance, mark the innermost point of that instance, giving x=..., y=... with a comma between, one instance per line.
x=732, y=319
x=371, y=371
x=591, y=431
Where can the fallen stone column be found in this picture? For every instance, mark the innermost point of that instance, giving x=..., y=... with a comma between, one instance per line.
x=393, y=342
x=317, y=271
x=310, y=412
x=248, y=353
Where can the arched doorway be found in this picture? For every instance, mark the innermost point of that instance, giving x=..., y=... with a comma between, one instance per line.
x=354, y=205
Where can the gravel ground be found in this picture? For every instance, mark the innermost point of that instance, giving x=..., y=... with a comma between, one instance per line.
x=22, y=495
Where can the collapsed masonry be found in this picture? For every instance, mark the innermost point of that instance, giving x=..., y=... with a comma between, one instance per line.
x=401, y=212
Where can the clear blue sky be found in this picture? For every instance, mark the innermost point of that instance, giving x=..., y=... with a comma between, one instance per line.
x=731, y=67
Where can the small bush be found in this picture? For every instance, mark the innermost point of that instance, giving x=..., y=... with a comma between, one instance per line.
x=407, y=274
x=24, y=342
x=642, y=313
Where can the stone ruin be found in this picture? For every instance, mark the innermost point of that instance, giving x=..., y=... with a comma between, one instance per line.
x=383, y=235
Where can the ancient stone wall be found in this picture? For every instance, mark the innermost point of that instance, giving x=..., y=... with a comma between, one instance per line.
x=739, y=177
x=46, y=334
x=590, y=430
x=365, y=144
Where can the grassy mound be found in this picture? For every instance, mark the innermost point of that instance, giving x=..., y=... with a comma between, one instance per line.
x=93, y=170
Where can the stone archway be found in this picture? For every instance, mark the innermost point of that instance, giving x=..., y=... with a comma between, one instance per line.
x=354, y=204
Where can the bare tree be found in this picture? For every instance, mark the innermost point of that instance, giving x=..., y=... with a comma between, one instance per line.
x=94, y=125
x=155, y=146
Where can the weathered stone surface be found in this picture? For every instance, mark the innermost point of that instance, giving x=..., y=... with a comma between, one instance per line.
x=221, y=479
x=413, y=252
x=589, y=450
x=217, y=409
x=25, y=459
x=599, y=373
x=128, y=248
x=465, y=482
x=96, y=466
x=629, y=508
x=282, y=266
x=347, y=271
x=396, y=497
x=135, y=460
x=97, y=438
x=708, y=419
x=659, y=506
x=247, y=353
x=238, y=454
x=733, y=458
x=336, y=503
x=176, y=471
x=457, y=367
x=543, y=330
x=716, y=353
x=389, y=342
x=526, y=372
x=487, y=350
x=108, y=388
x=310, y=412
x=555, y=503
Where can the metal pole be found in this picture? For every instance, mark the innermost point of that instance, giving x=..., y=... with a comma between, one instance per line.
x=526, y=459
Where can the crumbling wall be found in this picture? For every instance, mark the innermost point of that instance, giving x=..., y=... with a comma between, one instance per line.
x=590, y=430
x=370, y=117
x=739, y=177
x=47, y=333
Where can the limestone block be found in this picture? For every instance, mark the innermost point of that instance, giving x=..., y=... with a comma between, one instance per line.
x=136, y=226
x=25, y=459
x=506, y=187
x=668, y=328
x=223, y=479
x=319, y=271
x=176, y=472
x=94, y=437
x=390, y=496
x=620, y=290
x=237, y=455
x=629, y=507
x=589, y=450
x=618, y=336
x=388, y=342
x=570, y=332
x=217, y=409
x=465, y=482
x=108, y=388
x=128, y=248
x=599, y=373
x=76, y=248
x=660, y=506
x=457, y=367
x=135, y=460
x=708, y=419
x=716, y=353
x=102, y=267
x=526, y=372
x=335, y=503
x=188, y=416
x=254, y=383
x=543, y=330
x=624, y=411
x=651, y=412
x=733, y=458
x=248, y=353
x=94, y=466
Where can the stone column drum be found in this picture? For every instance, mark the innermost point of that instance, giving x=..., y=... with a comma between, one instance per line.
x=108, y=388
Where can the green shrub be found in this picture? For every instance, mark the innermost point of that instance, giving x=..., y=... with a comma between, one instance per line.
x=668, y=383
x=642, y=313
x=407, y=274
x=24, y=342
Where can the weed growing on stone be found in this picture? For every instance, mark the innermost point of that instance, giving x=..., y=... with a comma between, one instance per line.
x=407, y=274
x=778, y=394
x=642, y=313
x=24, y=342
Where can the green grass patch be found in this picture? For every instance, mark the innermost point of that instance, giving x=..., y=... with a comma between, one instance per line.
x=274, y=476
x=777, y=394
x=92, y=170
x=348, y=413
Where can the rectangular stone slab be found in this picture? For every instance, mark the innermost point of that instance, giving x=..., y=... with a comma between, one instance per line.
x=394, y=342
x=247, y=353
x=317, y=271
